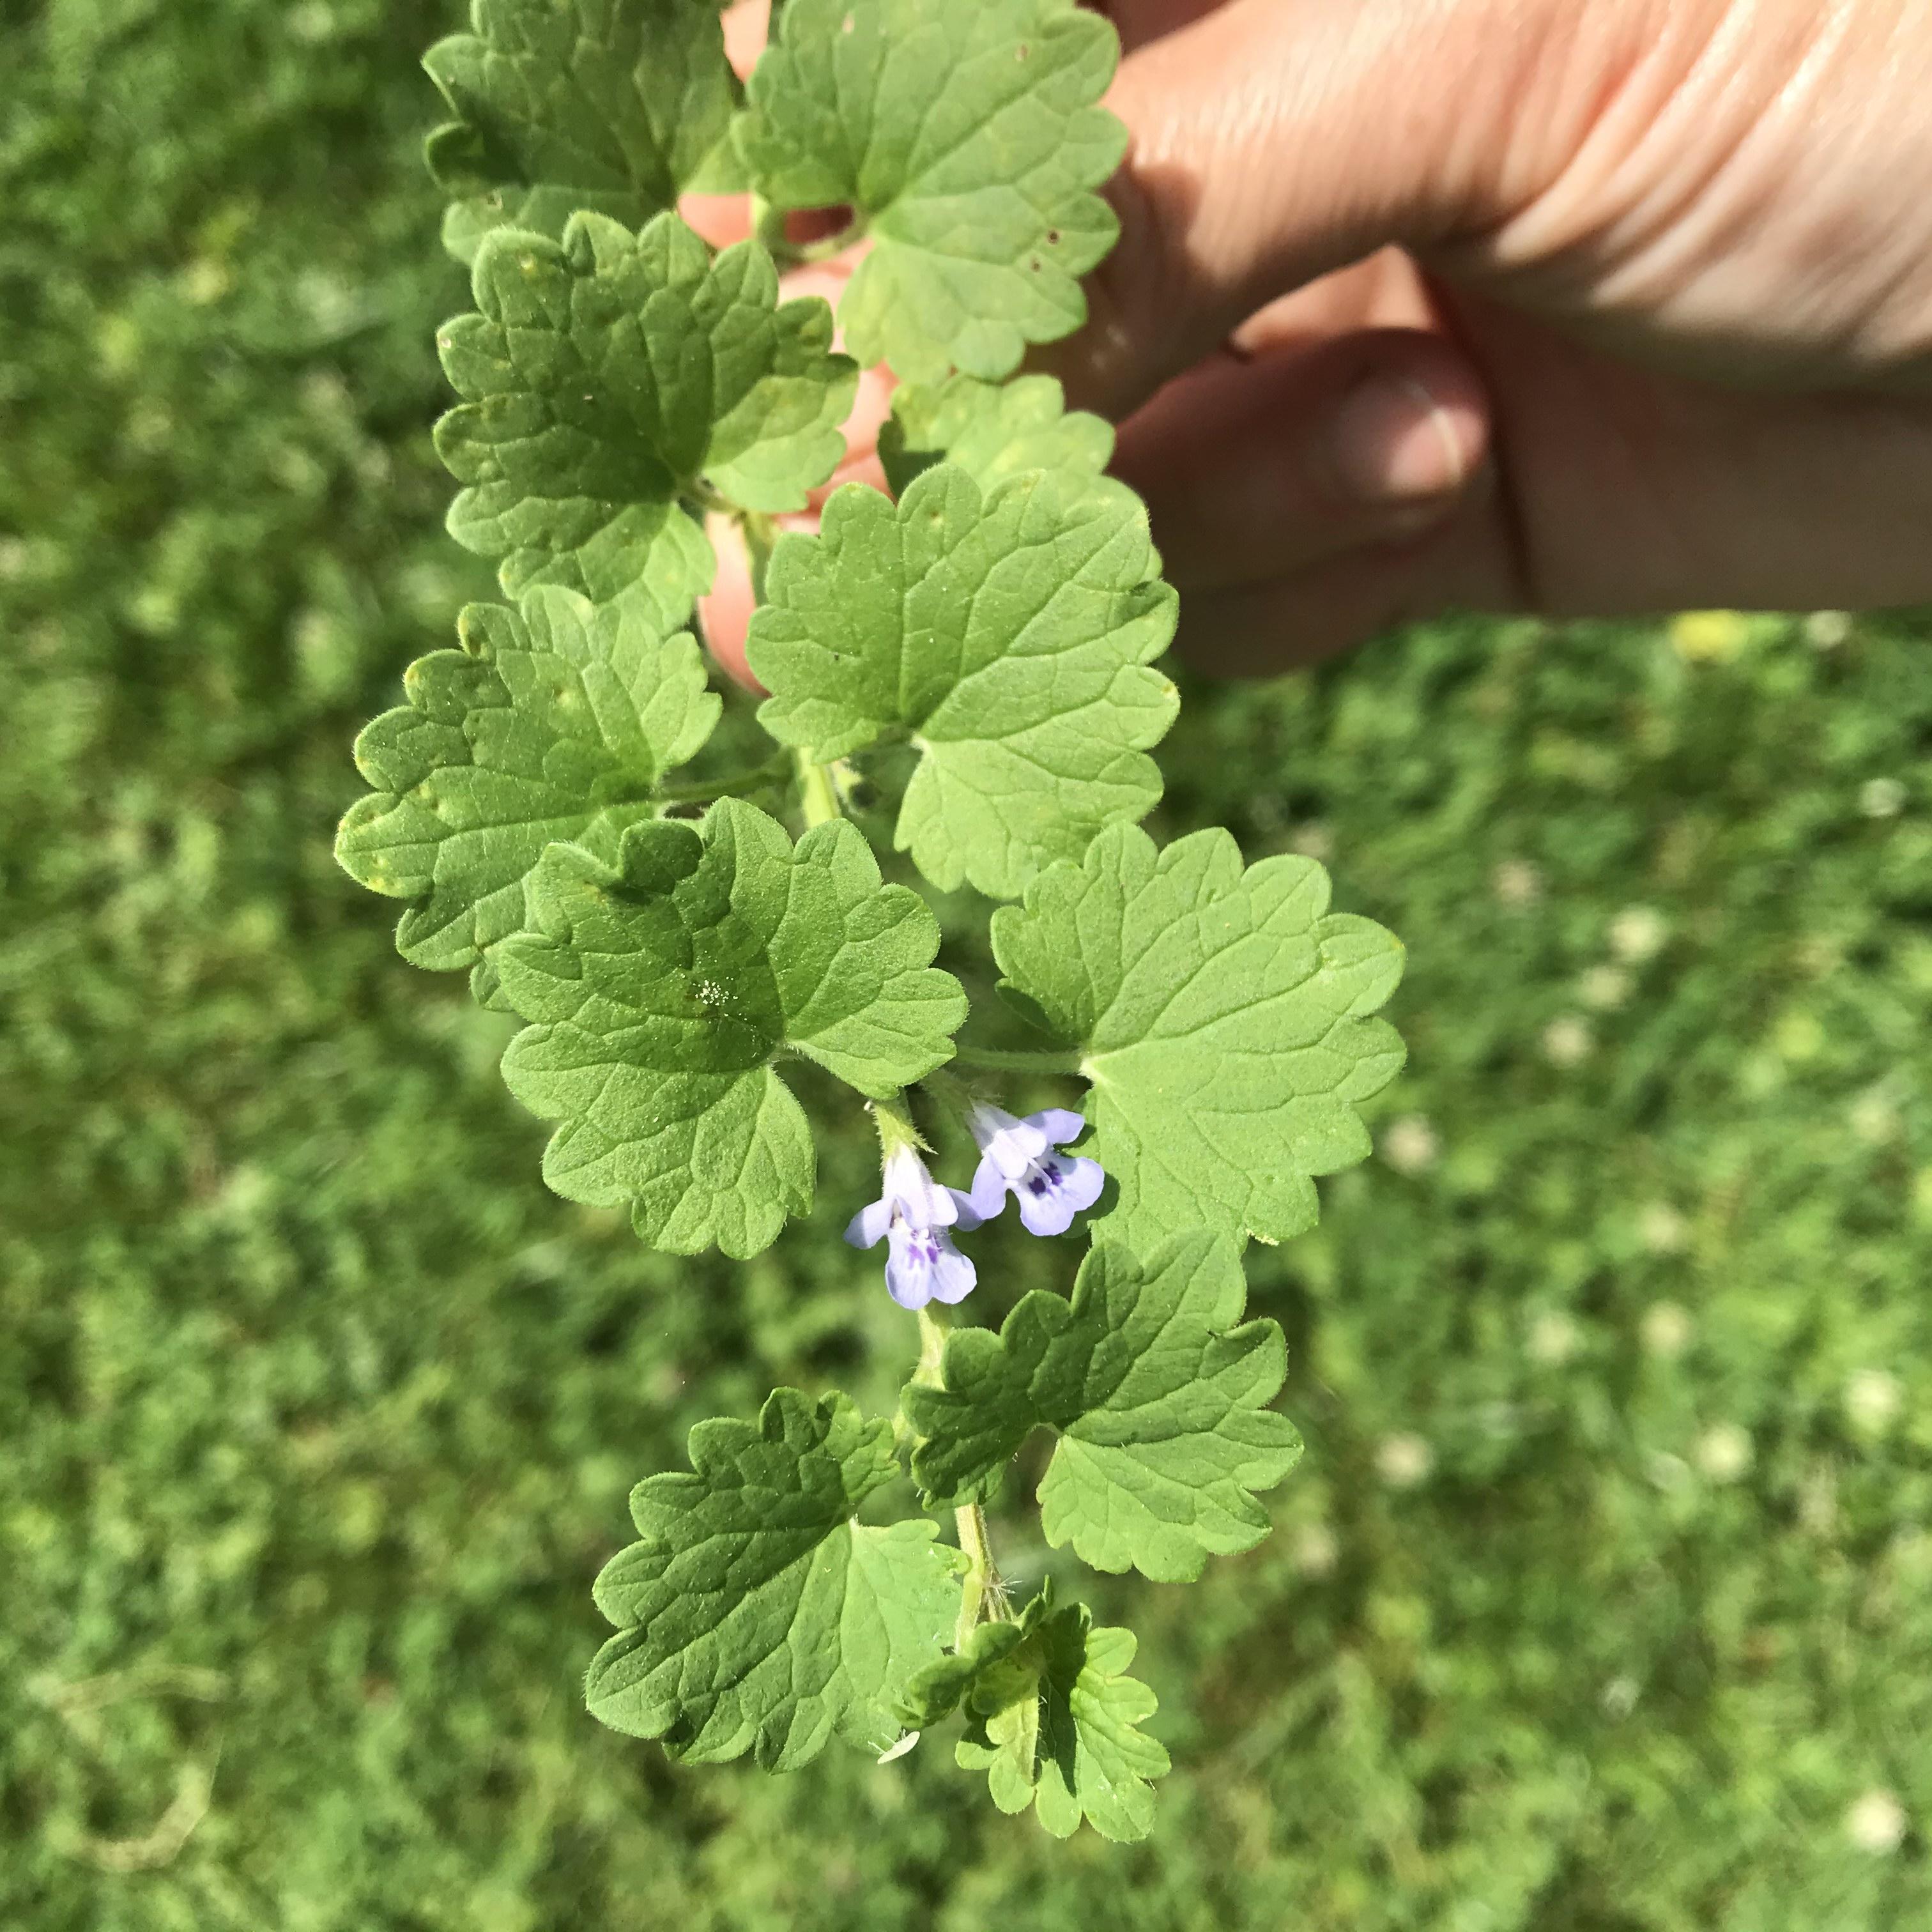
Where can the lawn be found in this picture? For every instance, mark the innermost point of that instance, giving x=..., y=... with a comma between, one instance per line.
x=1602, y=1600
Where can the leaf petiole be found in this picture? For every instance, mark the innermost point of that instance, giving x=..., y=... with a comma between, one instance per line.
x=728, y=784
x=761, y=536
x=819, y=799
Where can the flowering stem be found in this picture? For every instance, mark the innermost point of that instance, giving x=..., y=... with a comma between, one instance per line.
x=819, y=799
x=982, y=1592
x=989, y=1060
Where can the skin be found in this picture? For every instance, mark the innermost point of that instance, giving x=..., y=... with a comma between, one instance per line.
x=1573, y=306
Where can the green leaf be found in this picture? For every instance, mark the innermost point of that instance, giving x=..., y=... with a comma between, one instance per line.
x=1221, y=1018
x=554, y=723
x=1054, y=1722
x=1008, y=635
x=934, y=1694
x=609, y=380
x=1159, y=1401
x=664, y=989
x=968, y=140
x=754, y=1613
x=616, y=106
x=994, y=431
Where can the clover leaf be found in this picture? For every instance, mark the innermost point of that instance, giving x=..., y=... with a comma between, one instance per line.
x=755, y=1612
x=1159, y=1401
x=554, y=723
x=1008, y=635
x=1053, y=1720
x=1220, y=1016
x=967, y=140
x=611, y=382
x=616, y=106
x=993, y=431
x=663, y=989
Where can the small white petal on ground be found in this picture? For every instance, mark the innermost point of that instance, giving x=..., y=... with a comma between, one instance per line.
x=1404, y=1460
x=1410, y=1145
x=1725, y=1452
x=1568, y=1041
x=1873, y=1399
x=1876, y=1823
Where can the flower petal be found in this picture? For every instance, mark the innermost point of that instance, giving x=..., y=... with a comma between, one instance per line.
x=867, y=1227
x=953, y=1276
x=1084, y=1180
x=908, y=1278
x=1049, y=1213
x=1059, y=1125
x=989, y=1190
x=967, y=1210
x=924, y=1203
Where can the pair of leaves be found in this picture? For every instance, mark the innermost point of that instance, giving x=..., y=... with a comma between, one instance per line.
x=664, y=987
x=610, y=380
x=617, y=106
x=1009, y=635
x=554, y=723
x=968, y=141
x=1052, y=1717
x=755, y=1612
x=1158, y=1398
x=1221, y=1017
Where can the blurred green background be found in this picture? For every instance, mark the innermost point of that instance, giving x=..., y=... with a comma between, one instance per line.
x=1602, y=1599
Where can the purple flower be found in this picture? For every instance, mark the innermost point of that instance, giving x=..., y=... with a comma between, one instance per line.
x=1020, y=1156
x=914, y=1215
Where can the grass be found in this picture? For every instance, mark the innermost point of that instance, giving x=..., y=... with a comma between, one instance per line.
x=1599, y=1603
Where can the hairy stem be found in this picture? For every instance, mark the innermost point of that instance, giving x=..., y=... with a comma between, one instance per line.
x=818, y=796
x=983, y=1591
x=988, y=1060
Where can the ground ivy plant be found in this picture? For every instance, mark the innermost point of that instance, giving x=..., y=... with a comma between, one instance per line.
x=975, y=653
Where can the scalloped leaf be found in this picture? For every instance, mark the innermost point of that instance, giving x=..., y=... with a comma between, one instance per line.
x=1009, y=636
x=613, y=107
x=968, y=139
x=754, y=1613
x=612, y=379
x=1159, y=1402
x=1221, y=1018
x=1053, y=1720
x=994, y=431
x=663, y=989
x=556, y=722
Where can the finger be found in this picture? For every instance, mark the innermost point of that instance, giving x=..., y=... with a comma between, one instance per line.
x=1255, y=470
x=1636, y=493
x=746, y=26
x=1273, y=141
x=1257, y=630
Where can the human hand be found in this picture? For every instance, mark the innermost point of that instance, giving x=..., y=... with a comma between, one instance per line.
x=1639, y=315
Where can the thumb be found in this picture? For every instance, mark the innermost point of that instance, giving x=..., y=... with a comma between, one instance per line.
x=1272, y=141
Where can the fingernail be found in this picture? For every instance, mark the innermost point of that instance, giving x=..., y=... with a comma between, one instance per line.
x=1395, y=448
